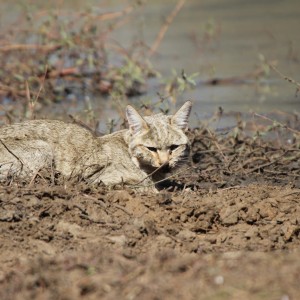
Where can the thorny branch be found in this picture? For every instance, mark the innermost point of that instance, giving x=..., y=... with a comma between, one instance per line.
x=289, y=79
x=280, y=124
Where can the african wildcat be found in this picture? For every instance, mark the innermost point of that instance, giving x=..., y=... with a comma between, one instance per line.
x=130, y=156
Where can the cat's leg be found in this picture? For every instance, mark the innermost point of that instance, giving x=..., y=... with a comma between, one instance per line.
x=118, y=175
x=23, y=158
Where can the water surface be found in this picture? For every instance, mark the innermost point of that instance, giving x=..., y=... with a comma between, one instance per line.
x=215, y=38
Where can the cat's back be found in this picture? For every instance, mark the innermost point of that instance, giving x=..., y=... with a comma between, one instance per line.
x=43, y=129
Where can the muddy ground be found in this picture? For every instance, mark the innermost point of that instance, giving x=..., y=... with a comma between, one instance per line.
x=230, y=229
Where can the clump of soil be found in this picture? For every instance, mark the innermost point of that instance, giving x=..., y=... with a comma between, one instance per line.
x=231, y=231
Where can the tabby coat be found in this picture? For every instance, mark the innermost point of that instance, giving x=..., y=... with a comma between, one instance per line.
x=137, y=156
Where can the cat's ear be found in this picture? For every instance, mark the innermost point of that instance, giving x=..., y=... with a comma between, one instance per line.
x=135, y=120
x=180, y=119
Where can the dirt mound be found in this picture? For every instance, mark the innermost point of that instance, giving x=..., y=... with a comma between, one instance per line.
x=162, y=275
x=61, y=243
x=231, y=232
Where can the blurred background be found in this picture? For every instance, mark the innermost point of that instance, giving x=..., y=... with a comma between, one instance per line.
x=89, y=59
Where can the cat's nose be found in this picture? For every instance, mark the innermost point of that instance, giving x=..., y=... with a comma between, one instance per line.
x=163, y=157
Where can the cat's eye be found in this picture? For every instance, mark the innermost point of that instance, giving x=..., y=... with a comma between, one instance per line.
x=173, y=147
x=152, y=149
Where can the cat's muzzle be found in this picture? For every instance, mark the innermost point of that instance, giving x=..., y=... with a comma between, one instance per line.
x=165, y=168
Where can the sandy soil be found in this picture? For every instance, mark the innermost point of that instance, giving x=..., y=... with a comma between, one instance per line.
x=231, y=232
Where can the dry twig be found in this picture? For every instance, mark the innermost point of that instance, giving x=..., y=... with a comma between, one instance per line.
x=27, y=47
x=165, y=26
x=289, y=79
x=280, y=124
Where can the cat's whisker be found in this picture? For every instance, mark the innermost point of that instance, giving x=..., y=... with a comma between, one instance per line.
x=168, y=177
x=155, y=171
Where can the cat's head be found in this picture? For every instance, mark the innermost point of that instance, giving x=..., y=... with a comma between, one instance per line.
x=158, y=140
